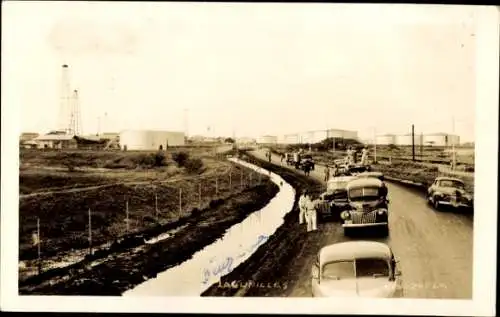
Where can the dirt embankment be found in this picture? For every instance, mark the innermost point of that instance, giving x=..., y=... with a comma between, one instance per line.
x=271, y=262
x=133, y=261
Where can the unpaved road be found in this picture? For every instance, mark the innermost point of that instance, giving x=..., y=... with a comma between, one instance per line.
x=434, y=248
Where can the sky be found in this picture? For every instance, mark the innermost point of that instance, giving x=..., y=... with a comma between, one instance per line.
x=253, y=69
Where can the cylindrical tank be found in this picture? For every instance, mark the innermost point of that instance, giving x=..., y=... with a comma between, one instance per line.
x=142, y=140
x=386, y=139
x=436, y=140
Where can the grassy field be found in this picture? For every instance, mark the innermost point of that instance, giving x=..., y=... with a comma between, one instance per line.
x=60, y=187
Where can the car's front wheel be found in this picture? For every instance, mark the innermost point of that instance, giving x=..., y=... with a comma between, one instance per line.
x=435, y=203
x=347, y=232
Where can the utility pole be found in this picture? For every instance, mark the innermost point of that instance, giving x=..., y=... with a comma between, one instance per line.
x=413, y=142
x=421, y=146
x=374, y=145
x=454, y=157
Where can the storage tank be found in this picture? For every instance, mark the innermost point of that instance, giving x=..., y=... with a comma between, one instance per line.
x=292, y=139
x=441, y=139
x=386, y=139
x=147, y=140
x=407, y=140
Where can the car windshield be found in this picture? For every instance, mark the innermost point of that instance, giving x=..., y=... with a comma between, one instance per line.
x=365, y=193
x=451, y=183
x=369, y=267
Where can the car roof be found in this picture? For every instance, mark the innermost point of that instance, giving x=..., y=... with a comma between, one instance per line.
x=354, y=249
x=443, y=178
x=363, y=182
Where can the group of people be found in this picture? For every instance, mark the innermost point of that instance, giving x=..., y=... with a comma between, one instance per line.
x=351, y=156
x=308, y=213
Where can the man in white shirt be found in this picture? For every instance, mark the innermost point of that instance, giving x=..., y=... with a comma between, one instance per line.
x=311, y=216
x=302, y=206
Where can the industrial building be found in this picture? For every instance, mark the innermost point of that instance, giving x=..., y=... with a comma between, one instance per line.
x=267, y=139
x=441, y=139
x=245, y=140
x=147, y=140
x=56, y=141
x=311, y=137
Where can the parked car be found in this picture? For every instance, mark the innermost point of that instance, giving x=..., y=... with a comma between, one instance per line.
x=449, y=191
x=307, y=159
x=334, y=200
x=368, y=205
x=356, y=268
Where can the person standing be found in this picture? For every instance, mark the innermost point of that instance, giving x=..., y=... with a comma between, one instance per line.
x=311, y=214
x=327, y=173
x=334, y=170
x=302, y=207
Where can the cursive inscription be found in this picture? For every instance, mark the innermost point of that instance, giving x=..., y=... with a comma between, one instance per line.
x=253, y=284
x=226, y=266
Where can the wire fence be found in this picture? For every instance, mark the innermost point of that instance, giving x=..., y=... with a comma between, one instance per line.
x=66, y=227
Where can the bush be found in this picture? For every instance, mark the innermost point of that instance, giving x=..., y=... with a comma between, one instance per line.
x=193, y=165
x=160, y=159
x=180, y=158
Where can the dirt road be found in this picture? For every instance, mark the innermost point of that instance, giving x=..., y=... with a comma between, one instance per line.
x=434, y=248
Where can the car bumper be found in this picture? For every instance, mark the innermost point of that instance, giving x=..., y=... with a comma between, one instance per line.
x=455, y=205
x=358, y=225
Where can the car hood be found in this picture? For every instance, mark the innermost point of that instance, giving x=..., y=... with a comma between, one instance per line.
x=366, y=287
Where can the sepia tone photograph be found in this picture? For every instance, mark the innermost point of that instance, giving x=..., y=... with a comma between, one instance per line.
x=221, y=150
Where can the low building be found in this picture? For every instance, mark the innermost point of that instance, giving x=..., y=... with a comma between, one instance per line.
x=28, y=136
x=148, y=140
x=56, y=141
x=267, y=139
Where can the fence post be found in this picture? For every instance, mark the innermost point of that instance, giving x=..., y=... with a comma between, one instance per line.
x=216, y=186
x=38, y=242
x=180, y=202
x=126, y=212
x=90, y=232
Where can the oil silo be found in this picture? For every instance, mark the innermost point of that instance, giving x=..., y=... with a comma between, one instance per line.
x=406, y=139
x=386, y=139
x=148, y=140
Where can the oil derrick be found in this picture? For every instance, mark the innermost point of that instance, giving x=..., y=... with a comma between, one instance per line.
x=75, y=127
x=64, y=122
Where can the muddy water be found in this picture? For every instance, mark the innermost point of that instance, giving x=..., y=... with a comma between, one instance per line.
x=207, y=266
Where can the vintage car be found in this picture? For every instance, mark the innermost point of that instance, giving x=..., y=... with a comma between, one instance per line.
x=307, y=159
x=378, y=175
x=368, y=205
x=356, y=269
x=449, y=191
x=334, y=200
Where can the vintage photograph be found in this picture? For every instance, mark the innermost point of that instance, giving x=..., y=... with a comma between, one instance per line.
x=245, y=150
